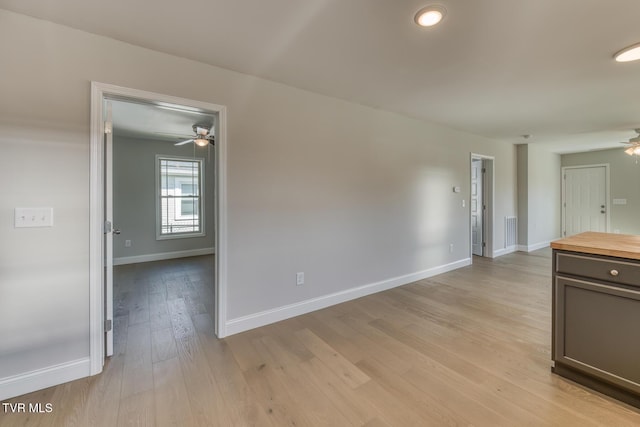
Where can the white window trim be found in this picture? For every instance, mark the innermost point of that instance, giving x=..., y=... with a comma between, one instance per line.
x=202, y=231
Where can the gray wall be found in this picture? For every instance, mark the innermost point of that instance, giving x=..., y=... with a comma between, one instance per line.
x=134, y=197
x=625, y=177
x=544, y=198
x=539, y=196
x=348, y=194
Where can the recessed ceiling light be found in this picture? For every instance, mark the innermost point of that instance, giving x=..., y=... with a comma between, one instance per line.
x=631, y=53
x=430, y=15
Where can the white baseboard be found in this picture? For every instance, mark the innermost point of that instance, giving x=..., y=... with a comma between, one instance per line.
x=162, y=256
x=535, y=246
x=18, y=385
x=504, y=251
x=266, y=317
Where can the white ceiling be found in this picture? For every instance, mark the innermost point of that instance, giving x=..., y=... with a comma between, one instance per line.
x=497, y=68
x=161, y=123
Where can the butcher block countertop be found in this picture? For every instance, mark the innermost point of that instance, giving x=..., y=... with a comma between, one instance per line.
x=616, y=245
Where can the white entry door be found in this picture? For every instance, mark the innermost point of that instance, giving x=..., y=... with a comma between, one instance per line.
x=477, y=222
x=585, y=206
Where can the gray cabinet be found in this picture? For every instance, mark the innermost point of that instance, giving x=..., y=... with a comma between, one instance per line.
x=596, y=322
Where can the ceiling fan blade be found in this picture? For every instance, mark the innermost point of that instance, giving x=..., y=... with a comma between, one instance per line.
x=184, y=142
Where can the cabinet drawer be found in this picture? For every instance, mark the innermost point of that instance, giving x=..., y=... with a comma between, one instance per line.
x=626, y=273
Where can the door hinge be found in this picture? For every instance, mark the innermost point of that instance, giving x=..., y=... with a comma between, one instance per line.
x=484, y=244
x=106, y=228
x=484, y=170
x=108, y=324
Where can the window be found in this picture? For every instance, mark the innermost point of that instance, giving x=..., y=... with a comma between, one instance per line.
x=180, y=200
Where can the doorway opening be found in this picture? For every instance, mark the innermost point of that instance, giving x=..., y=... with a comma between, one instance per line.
x=187, y=208
x=481, y=205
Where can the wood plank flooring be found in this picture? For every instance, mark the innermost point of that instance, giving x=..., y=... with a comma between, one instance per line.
x=469, y=347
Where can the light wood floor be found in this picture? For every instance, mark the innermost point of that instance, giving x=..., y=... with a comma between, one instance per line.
x=470, y=347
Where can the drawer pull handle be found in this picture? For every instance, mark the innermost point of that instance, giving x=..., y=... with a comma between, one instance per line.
x=614, y=273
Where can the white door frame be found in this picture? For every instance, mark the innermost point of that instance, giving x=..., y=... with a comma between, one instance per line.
x=607, y=192
x=108, y=234
x=488, y=198
x=96, y=209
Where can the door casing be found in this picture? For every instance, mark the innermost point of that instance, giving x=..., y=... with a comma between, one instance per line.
x=108, y=233
x=607, y=190
x=477, y=207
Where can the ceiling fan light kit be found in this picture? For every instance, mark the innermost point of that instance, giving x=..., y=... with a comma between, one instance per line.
x=203, y=136
x=633, y=150
x=201, y=142
x=633, y=145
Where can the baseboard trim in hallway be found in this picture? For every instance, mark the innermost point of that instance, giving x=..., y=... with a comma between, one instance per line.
x=163, y=256
x=43, y=378
x=267, y=317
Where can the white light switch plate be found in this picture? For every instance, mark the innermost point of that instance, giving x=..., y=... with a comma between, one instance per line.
x=33, y=217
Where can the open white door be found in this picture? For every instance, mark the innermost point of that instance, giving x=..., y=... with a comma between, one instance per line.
x=108, y=230
x=477, y=207
x=481, y=205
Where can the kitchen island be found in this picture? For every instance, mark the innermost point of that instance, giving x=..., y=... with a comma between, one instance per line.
x=596, y=312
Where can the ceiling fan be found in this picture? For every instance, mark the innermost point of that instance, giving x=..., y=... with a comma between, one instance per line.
x=203, y=136
x=633, y=145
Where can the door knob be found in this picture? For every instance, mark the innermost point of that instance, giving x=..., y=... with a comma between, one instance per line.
x=116, y=231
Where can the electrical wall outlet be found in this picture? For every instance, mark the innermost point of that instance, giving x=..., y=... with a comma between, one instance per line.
x=299, y=279
x=451, y=248
x=127, y=243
